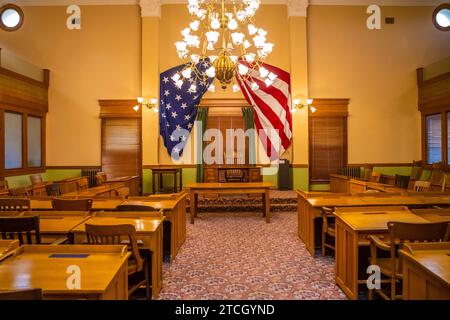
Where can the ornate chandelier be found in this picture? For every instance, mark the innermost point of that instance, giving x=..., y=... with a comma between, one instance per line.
x=225, y=42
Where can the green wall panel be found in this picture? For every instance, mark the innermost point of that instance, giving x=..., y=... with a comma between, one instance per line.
x=301, y=178
x=392, y=171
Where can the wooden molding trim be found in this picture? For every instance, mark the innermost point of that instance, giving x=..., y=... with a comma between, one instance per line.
x=330, y=108
x=119, y=109
x=72, y=167
x=380, y=164
x=300, y=165
x=225, y=102
x=158, y=166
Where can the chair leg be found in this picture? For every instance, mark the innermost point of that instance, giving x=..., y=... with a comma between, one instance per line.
x=148, y=291
x=323, y=244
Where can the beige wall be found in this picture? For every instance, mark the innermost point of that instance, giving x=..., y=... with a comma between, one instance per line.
x=101, y=61
x=377, y=71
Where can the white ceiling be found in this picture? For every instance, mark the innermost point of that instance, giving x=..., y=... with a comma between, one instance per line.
x=312, y=2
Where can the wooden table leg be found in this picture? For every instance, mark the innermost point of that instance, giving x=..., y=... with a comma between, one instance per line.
x=156, y=244
x=153, y=182
x=193, y=205
x=267, y=205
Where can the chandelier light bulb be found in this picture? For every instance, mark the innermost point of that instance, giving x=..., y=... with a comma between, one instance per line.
x=179, y=83
x=193, y=88
x=181, y=45
x=268, y=82
x=186, y=32
x=263, y=72
x=309, y=101
x=232, y=25
x=241, y=15
x=262, y=32
x=187, y=73
x=176, y=77
x=237, y=37
x=211, y=72
x=215, y=24
x=212, y=87
x=252, y=29
x=194, y=25
x=136, y=108
x=212, y=36
x=234, y=58
x=195, y=58
x=272, y=76
x=243, y=70
x=212, y=58
x=247, y=44
x=254, y=86
x=236, y=88
x=140, y=100
x=250, y=57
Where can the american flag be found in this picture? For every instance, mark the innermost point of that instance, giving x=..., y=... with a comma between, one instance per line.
x=271, y=105
x=178, y=108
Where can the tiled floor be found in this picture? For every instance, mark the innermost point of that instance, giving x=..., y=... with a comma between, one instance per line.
x=234, y=255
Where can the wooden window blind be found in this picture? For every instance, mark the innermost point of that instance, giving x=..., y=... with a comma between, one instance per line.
x=121, y=146
x=328, y=146
x=433, y=138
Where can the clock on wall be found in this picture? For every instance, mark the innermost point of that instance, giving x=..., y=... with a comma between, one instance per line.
x=11, y=17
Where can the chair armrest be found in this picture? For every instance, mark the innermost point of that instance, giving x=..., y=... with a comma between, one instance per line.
x=378, y=243
x=60, y=241
x=436, y=207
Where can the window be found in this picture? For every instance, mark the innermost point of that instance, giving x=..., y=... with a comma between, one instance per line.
x=448, y=138
x=23, y=143
x=34, y=139
x=13, y=140
x=11, y=17
x=433, y=130
x=441, y=17
x=328, y=146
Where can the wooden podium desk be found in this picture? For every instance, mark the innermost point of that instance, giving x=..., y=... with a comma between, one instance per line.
x=132, y=182
x=104, y=271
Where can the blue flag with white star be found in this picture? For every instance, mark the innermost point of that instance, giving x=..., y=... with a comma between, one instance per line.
x=178, y=107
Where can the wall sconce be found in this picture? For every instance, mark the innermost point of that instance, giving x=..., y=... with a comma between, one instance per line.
x=298, y=105
x=151, y=104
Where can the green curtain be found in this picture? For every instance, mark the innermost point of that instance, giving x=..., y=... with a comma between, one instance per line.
x=249, y=120
x=202, y=116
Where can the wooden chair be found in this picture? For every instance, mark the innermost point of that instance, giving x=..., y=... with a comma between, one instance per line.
x=134, y=207
x=437, y=171
x=401, y=181
x=100, y=178
x=82, y=184
x=36, y=180
x=235, y=175
x=375, y=177
x=399, y=233
x=14, y=227
x=4, y=185
x=112, y=234
x=328, y=230
x=72, y=205
x=422, y=186
x=123, y=192
x=417, y=170
x=10, y=204
x=53, y=189
x=21, y=192
x=446, y=182
x=27, y=294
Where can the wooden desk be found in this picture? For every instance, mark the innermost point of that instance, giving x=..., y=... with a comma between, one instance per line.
x=102, y=204
x=55, y=225
x=159, y=172
x=175, y=213
x=426, y=271
x=216, y=173
x=434, y=215
x=230, y=188
x=7, y=246
x=132, y=182
x=309, y=209
x=149, y=230
x=105, y=191
x=353, y=225
x=104, y=272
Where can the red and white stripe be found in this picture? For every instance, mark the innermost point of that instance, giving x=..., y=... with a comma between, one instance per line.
x=271, y=106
